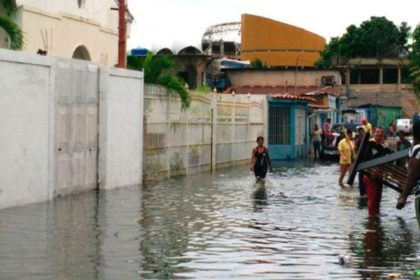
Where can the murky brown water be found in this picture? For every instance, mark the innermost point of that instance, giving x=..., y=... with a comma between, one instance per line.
x=217, y=226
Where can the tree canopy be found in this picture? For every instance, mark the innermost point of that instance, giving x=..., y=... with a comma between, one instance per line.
x=377, y=37
x=157, y=70
x=415, y=62
x=8, y=24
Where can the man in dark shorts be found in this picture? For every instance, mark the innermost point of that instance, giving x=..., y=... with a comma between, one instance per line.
x=413, y=172
x=260, y=160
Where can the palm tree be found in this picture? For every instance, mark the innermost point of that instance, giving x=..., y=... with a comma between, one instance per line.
x=11, y=28
x=157, y=70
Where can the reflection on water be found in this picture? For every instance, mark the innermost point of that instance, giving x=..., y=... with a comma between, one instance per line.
x=220, y=226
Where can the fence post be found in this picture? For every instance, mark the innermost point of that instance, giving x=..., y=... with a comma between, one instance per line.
x=213, y=137
x=233, y=119
x=167, y=135
x=187, y=144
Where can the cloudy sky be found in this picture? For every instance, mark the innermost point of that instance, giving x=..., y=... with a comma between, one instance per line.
x=168, y=23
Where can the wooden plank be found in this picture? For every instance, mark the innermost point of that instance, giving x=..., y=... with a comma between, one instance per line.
x=395, y=188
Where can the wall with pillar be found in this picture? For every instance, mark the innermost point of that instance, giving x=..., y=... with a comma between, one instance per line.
x=53, y=140
x=217, y=130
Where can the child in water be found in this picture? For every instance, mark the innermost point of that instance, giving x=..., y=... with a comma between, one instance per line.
x=260, y=160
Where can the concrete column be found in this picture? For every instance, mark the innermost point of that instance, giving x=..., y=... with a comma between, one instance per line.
x=233, y=150
x=167, y=136
x=399, y=74
x=347, y=77
x=213, y=120
x=187, y=146
x=381, y=75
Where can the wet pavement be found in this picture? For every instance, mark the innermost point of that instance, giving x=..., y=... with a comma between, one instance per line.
x=219, y=226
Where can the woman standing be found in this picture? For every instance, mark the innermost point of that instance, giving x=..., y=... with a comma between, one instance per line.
x=260, y=160
x=346, y=150
x=316, y=140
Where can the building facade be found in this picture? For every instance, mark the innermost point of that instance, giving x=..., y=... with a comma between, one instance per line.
x=382, y=82
x=80, y=29
x=278, y=44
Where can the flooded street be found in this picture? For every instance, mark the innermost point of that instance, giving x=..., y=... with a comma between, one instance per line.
x=217, y=226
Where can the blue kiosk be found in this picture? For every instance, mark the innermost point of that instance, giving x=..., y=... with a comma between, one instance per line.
x=287, y=127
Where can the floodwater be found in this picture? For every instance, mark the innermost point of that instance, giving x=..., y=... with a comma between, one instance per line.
x=218, y=226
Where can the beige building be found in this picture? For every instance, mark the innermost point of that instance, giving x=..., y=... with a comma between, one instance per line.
x=381, y=82
x=82, y=29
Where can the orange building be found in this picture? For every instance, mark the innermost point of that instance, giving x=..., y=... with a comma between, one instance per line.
x=278, y=44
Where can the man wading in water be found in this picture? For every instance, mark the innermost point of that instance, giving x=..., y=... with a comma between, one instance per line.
x=373, y=182
x=260, y=160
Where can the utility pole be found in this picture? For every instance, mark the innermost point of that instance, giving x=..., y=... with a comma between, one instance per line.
x=122, y=33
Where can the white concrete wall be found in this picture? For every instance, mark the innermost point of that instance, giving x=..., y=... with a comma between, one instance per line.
x=121, y=128
x=26, y=129
x=49, y=127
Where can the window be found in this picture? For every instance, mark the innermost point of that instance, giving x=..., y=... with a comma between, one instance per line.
x=279, y=126
x=390, y=76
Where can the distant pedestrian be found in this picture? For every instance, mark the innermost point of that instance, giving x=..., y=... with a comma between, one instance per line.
x=346, y=150
x=413, y=171
x=327, y=134
x=367, y=126
x=402, y=142
x=359, y=140
x=316, y=141
x=392, y=128
x=260, y=160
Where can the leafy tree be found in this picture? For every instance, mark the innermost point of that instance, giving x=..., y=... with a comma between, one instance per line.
x=157, y=70
x=8, y=24
x=258, y=64
x=415, y=47
x=415, y=62
x=377, y=37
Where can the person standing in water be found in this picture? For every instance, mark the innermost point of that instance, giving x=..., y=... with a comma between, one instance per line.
x=316, y=141
x=346, y=150
x=260, y=160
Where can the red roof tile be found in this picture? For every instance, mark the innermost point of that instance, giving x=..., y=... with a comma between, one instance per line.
x=288, y=96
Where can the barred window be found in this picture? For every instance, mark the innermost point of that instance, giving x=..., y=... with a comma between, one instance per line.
x=279, y=126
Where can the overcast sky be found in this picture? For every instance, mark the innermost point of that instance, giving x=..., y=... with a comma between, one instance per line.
x=165, y=23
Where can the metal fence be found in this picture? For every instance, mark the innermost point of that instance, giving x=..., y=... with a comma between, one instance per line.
x=217, y=130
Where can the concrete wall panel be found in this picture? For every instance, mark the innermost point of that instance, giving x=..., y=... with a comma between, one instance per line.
x=49, y=114
x=25, y=129
x=121, y=128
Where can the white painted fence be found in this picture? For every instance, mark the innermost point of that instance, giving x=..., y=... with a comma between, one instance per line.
x=217, y=130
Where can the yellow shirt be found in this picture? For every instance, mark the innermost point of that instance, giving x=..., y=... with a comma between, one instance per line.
x=345, y=147
x=368, y=128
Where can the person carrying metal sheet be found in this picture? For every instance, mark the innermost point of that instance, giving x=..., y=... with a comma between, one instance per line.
x=373, y=181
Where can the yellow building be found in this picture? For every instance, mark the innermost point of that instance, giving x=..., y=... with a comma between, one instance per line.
x=278, y=44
